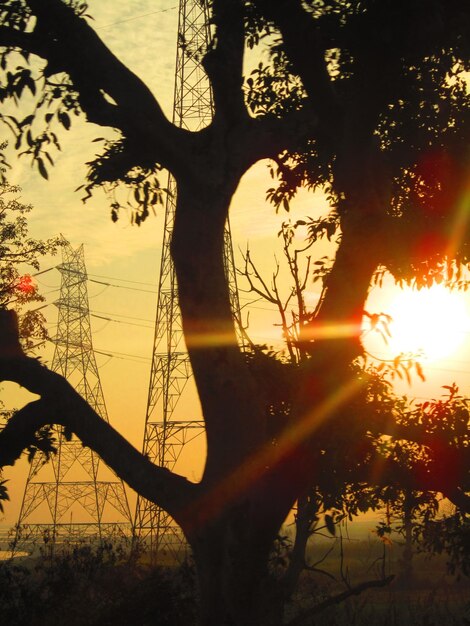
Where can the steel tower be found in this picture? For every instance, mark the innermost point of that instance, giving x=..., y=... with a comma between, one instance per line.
x=74, y=492
x=165, y=436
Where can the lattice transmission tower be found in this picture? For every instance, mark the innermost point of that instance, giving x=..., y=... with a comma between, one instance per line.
x=165, y=436
x=74, y=494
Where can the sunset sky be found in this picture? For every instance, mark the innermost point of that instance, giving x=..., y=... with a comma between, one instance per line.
x=123, y=260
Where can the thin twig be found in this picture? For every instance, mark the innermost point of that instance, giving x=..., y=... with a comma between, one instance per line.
x=303, y=617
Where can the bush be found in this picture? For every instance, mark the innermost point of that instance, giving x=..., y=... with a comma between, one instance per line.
x=89, y=585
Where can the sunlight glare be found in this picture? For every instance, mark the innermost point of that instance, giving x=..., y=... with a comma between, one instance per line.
x=431, y=322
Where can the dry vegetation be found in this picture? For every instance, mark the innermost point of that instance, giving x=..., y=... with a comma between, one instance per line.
x=103, y=585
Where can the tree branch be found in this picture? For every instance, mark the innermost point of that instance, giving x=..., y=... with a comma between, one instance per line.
x=306, y=51
x=306, y=616
x=12, y=38
x=109, y=93
x=265, y=292
x=61, y=404
x=224, y=63
x=266, y=137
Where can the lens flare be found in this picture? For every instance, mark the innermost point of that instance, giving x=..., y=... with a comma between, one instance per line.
x=269, y=456
x=25, y=284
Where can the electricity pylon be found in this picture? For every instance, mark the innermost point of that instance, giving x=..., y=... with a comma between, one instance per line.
x=165, y=436
x=73, y=483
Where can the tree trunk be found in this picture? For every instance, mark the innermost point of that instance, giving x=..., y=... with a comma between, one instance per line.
x=232, y=525
x=234, y=583
x=230, y=399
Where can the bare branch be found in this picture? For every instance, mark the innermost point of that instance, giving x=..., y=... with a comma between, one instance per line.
x=307, y=615
x=282, y=312
x=313, y=567
x=251, y=269
x=61, y=404
x=307, y=273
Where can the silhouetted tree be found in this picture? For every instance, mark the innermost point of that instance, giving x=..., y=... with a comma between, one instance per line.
x=366, y=99
x=18, y=252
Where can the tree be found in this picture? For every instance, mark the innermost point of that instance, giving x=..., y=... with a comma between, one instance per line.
x=363, y=98
x=17, y=252
x=17, y=289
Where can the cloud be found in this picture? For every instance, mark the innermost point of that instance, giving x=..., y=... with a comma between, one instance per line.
x=253, y=217
x=144, y=38
x=143, y=35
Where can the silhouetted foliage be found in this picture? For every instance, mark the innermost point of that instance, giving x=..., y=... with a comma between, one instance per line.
x=19, y=252
x=95, y=585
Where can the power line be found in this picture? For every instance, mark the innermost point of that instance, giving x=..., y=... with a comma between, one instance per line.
x=123, y=280
x=122, y=355
x=93, y=280
x=109, y=319
x=44, y=271
x=136, y=17
x=130, y=317
x=100, y=282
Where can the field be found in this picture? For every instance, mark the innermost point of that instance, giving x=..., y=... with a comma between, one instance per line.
x=429, y=596
x=104, y=585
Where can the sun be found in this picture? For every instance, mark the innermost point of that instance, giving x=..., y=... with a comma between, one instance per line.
x=431, y=322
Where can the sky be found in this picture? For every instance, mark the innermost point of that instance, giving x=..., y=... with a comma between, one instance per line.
x=123, y=260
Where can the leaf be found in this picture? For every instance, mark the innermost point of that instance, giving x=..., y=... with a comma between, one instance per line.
x=27, y=120
x=29, y=82
x=31, y=453
x=407, y=375
x=419, y=371
x=3, y=493
x=330, y=525
x=64, y=120
x=42, y=169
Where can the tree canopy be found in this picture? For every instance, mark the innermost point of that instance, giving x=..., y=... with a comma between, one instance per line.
x=366, y=99
x=18, y=253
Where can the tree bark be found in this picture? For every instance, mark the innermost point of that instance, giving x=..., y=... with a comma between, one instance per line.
x=232, y=411
x=231, y=555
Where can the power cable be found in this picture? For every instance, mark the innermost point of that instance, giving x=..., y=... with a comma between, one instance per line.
x=44, y=271
x=136, y=17
x=130, y=317
x=123, y=280
x=122, y=355
x=115, y=321
x=100, y=282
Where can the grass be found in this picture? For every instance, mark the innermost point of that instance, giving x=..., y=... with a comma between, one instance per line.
x=100, y=585
x=430, y=597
